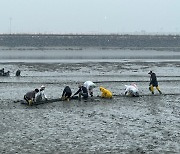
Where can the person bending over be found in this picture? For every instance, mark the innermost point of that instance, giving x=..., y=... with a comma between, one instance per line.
x=2, y=72
x=132, y=90
x=41, y=95
x=18, y=73
x=82, y=91
x=30, y=96
x=90, y=86
x=105, y=93
x=66, y=93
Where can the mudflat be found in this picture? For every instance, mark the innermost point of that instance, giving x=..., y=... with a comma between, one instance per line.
x=146, y=124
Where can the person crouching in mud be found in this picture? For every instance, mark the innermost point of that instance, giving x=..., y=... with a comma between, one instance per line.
x=153, y=83
x=90, y=86
x=41, y=95
x=30, y=96
x=82, y=92
x=18, y=73
x=132, y=90
x=66, y=95
x=105, y=93
x=2, y=72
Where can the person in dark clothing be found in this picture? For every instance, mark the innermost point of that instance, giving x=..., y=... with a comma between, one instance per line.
x=66, y=93
x=2, y=72
x=82, y=91
x=18, y=73
x=153, y=82
x=6, y=73
x=30, y=96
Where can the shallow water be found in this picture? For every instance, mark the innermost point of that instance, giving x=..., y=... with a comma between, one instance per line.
x=83, y=55
x=148, y=124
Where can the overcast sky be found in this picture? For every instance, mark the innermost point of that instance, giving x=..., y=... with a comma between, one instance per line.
x=89, y=16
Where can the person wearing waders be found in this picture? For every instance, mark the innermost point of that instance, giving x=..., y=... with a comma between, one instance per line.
x=153, y=83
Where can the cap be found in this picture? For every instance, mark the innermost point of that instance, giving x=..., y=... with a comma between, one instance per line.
x=150, y=72
x=42, y=87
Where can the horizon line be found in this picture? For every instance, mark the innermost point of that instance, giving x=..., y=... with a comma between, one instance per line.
x=90, y=34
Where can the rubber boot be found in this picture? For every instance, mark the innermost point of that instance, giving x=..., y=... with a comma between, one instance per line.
x=152, y=89
x=159, y=90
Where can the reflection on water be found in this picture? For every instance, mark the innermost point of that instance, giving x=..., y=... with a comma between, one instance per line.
x=84, y=55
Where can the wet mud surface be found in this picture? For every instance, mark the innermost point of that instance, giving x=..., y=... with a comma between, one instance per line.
x=147, y=124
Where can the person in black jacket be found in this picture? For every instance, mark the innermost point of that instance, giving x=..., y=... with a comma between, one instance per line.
x=153, y=82
x=2, y=72
x=66, y=93
x=18, y=73
x=82, y=91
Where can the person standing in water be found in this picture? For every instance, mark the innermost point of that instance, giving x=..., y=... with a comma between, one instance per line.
x=153, y=83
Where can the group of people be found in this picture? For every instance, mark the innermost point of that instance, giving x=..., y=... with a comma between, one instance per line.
x=86, y=90
x=3, y=73
x=132, y=90
x=36, y=95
